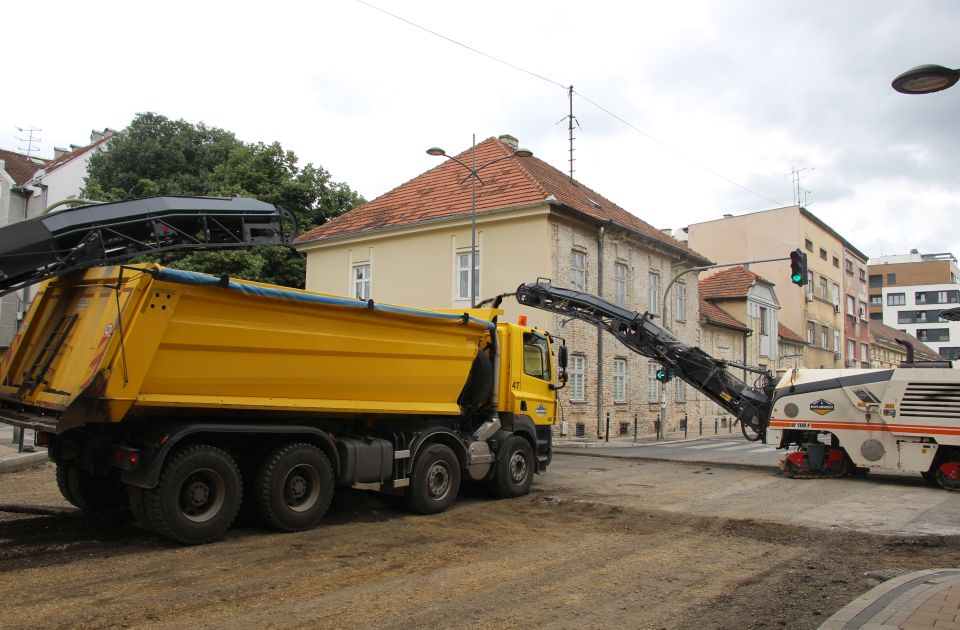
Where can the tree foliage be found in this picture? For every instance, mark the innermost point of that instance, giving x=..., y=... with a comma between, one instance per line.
x=158, y=156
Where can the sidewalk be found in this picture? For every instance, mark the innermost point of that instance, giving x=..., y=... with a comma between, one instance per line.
x=927, y=599
x=621, y=441
x=10, y=459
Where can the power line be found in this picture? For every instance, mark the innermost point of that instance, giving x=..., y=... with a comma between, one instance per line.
x=565, y=88
x=677, y=152
x=462, y=45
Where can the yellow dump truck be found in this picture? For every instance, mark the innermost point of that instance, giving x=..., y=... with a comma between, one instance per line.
x=186, y=395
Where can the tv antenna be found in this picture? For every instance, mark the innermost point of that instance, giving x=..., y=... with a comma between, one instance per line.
x=800, y=194
x=31, y=138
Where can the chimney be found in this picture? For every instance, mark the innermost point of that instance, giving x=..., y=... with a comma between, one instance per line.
x=914, y=251
x=728, y=216
x=59, y=151
x=510, y=141
x=96, y=136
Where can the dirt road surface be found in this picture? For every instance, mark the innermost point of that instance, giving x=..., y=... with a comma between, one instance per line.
x=599, y=543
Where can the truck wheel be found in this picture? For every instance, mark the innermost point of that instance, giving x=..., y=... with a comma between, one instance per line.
x=294, y=487
x=135, y=499
x=435, y=481
x=198, y=496
x=88, y=492
x=513, y=472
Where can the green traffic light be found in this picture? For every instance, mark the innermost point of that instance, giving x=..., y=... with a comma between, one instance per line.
x=796, y=278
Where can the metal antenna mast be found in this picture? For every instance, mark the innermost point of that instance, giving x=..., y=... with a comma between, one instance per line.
x=30, y=139
x=570, y=128
x=800, y=195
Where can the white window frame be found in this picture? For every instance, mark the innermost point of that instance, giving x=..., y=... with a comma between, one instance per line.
x=578, y=270
x=680, y=303
x=680, y=392
x=463, y=270
x=620, y=271
x=619, y=380
x=361, y=282
x=653, y=292
x=653, y=393
x=577, y=371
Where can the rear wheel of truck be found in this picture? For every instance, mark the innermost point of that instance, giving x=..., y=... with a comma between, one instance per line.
x=435, y=480
x=198, y=496
x=90, y=493
x=513, y=470
x=294, y=487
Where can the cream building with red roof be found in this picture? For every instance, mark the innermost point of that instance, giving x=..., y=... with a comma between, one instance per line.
x=412, y=245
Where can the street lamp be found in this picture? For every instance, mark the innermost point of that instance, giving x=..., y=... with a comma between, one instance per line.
x=474, y=170
x=926, y=79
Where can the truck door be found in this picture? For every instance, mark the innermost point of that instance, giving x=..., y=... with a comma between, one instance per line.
x=534, y=397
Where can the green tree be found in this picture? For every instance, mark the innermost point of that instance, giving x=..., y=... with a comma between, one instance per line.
x=158, y=156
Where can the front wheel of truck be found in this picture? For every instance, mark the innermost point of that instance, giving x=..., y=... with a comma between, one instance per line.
x=198, y=495
x=513, y=470
x=435, y=480
x=294, y=487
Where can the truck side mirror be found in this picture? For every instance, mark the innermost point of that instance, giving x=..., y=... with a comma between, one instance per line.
x=562, y=357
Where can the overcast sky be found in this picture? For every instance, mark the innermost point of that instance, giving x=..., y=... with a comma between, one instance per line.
x=685, y=110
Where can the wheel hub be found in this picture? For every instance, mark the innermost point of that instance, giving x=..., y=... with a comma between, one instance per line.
x=301, y=488
x=438, y=481
x=198, y=493
x=202, y=495
x=518, y=468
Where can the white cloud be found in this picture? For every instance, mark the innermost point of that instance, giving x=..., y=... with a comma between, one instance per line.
x=748, y=88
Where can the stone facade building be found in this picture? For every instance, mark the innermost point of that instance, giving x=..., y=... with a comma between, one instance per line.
x=888, y=350
x=412, y=246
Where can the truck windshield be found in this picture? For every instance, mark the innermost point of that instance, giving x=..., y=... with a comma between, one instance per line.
x=536, y=356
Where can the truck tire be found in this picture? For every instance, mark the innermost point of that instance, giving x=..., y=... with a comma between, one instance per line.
x=294, y=487
x=135, y=499
x=198, y=496
x=513, y=470
x=88, y=492
x=435, y=480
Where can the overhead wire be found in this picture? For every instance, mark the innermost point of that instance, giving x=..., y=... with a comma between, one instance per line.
x=565, y=87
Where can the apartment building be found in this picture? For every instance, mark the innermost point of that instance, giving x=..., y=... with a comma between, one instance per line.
x=413, y=246
x=907, y=292
x=816, y=310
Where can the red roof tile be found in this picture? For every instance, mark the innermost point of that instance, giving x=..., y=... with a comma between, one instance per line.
x=20, y=167
x=445, y=191
x=713, y=314
x=882, y=332
x=733, y=282
x=788, y=335
x=56, y=163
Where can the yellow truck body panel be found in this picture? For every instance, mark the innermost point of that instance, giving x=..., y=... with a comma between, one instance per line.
x=191, y=340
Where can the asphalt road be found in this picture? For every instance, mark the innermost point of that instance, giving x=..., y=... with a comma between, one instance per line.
x=723, y=449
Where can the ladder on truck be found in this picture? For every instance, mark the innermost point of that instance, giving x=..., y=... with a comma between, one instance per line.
x=34, y=377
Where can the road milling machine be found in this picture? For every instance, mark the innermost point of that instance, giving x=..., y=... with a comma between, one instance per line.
x=841, y=422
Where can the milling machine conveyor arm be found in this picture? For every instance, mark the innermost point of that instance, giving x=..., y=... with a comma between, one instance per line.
x=639, y=333
x=68, y=240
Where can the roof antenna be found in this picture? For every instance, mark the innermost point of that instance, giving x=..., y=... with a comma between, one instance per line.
x=570, y=120
x=30, y=139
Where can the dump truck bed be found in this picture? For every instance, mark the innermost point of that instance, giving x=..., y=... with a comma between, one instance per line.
x=111, y=343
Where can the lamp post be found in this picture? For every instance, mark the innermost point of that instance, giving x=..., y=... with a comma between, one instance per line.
x=926, y=79
x=474, y=170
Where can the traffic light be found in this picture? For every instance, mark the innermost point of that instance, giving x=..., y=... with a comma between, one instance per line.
x=798, y=267
x=664, y=375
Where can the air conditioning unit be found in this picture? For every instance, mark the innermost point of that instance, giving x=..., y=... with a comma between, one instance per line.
x=851, y=363
x=809, y=297
x=836, y=355
x=836, y=308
